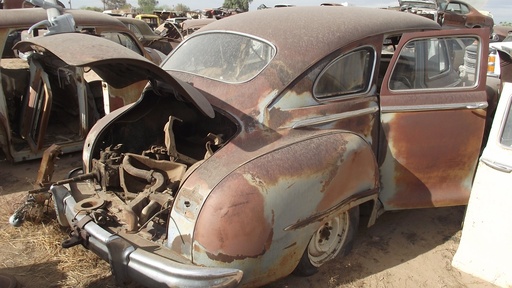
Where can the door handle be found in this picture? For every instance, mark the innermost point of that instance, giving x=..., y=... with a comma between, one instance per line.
x=497, y=166
x=476, y=106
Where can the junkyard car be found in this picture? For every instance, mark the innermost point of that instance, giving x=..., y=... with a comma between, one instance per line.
x=262, y=138
x=494, y=67
x=190, y=26
x=456, y=14
x=425, y=8
x=152, y=20
x=146, y=35
x=501, y=32
x=43, y=101
x=179, y=32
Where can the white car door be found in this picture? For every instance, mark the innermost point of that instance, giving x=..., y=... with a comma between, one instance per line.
x=485, y=249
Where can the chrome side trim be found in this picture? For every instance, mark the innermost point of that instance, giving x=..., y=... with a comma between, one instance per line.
x=418, y=108
x=334, y=117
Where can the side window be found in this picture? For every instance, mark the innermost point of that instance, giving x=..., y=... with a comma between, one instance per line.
x=349, y=74
x=436, y=63
x=135, y=30
x=122, y=39
x=453, y=7
x=464, y=9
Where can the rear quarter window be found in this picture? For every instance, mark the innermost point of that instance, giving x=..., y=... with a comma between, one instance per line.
x=348, y=74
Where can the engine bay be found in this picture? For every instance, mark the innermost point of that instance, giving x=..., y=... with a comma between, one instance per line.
x=140, y=161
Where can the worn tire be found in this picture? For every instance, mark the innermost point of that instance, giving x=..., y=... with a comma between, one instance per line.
x=322, y=247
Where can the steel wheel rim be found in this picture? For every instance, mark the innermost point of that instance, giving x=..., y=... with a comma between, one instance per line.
x=328, y=240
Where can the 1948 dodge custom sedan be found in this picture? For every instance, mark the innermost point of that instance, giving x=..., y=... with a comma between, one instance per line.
x=262, y=138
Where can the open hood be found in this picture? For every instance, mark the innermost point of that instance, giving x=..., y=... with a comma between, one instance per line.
x=115, y=64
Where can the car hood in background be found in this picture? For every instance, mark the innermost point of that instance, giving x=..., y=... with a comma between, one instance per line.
x=115, y=64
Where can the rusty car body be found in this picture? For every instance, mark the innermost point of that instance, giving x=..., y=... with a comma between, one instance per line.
x=247, y=158
x=457, y=14
x=42, y=102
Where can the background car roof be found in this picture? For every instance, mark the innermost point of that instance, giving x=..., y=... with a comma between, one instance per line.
x=26, y=17
x=141, y=24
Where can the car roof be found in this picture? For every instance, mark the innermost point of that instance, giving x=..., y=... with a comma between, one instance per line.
x=25, y=17
x=141, y=24
x=193, y=23
x=333, y=27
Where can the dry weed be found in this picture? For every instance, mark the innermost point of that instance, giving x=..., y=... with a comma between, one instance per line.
x=33, y=253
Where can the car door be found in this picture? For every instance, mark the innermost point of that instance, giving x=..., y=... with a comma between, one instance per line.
x=432, y=120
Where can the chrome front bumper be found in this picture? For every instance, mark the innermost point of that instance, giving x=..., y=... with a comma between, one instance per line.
x=132, y=263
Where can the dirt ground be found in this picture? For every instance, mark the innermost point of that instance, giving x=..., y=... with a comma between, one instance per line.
x=412, y=248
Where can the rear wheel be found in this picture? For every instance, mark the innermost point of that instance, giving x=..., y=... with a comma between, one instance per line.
x=335, y=236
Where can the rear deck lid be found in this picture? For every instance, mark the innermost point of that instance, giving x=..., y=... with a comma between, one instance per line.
x=115, y=64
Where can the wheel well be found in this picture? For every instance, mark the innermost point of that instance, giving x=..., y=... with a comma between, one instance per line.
x=369, y=211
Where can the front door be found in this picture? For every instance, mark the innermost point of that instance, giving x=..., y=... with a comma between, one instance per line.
x=433, y=118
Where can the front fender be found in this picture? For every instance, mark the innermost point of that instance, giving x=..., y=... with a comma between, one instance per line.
x=245, y=221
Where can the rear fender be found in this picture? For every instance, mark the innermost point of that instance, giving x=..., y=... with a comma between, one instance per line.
x=262, y=215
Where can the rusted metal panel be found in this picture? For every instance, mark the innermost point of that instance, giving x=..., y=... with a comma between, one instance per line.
x=431, y=157
x=15, y=18
x=431, y=138
x=257, y=194
x=45, y=172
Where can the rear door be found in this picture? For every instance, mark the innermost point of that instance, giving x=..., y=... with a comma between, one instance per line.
x=433, y=119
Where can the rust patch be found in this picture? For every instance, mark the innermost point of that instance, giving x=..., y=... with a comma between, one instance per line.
x=284, y=264
x=434, y=158
x=232, y=224
x=356, y=173
x=312, y=159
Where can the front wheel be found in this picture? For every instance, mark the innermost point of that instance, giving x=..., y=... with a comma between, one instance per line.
x=334, y=236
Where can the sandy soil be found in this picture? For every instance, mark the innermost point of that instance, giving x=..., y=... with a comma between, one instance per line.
x=412, y=248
